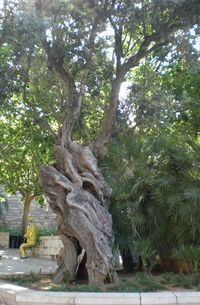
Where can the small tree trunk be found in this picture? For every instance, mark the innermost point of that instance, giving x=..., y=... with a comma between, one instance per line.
x=28, y=198
x=79, y=195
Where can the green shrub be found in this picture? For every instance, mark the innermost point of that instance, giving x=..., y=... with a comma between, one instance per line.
x=23, y=280
x=48, y=231
x=181, y=280
x=189, y=253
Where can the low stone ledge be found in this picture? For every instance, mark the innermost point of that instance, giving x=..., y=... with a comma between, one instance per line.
x=45, y=298
x=15, y=295
x=8, y=293
x=187, y=297
x=158, y=298
x=107, y=298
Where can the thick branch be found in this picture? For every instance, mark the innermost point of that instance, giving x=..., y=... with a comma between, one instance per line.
x=130, y=63
x=118, y=42
x=74, y=102
x=105, y=134
x=2, y=39
x=55, y=62
x=75, y=97
x=158, y=39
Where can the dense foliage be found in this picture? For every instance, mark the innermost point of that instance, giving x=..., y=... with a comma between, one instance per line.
x=62, y=68
x=155, y=168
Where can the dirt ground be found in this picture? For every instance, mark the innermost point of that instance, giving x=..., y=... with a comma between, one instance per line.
x=44, y=283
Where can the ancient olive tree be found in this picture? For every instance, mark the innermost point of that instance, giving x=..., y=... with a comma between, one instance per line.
x=92, y=45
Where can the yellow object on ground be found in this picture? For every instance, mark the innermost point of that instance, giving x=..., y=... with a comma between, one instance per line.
x=32, y=235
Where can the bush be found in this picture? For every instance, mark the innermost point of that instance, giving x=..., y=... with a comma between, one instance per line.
x=48, y=231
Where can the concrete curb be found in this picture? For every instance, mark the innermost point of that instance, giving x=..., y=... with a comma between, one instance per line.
x=15, y=295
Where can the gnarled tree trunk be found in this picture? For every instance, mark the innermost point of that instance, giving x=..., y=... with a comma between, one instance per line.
x=78, y=193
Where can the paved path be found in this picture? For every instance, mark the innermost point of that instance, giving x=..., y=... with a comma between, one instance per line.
x=11, y=263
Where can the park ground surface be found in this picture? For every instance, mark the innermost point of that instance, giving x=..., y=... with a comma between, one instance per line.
x=12, y=264
x=36, y=273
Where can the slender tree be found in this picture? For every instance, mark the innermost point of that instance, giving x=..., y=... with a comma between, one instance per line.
x=20, y=161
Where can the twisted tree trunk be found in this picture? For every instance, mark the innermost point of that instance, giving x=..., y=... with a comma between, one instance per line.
x=78, y=193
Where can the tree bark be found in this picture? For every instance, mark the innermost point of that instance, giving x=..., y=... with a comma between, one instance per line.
x=28, y=198
x=67, y=260
x=79, y=195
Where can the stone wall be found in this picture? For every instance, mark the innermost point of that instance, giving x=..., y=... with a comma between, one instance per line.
x=12, y=213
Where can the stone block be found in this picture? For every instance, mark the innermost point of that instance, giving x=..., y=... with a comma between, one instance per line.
x=53, y=243
x=1, y=299
x=42, y=238
x=9, y=292
x=46, y=298
x=107, y=299
x=48, y=246
x=52, y=251
x=4, y=240
x=158, y=298
x=188, y=298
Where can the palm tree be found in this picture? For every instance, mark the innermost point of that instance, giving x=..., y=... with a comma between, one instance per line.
x=156, y=193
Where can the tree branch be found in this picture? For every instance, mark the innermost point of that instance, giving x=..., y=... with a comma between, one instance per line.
x=130, y=63
x=74, y=112
x=159, y=39
x=55, y=62
x=105, y=133
x=118, y=42
x=75, y=97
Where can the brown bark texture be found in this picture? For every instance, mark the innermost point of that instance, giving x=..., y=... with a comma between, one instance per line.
x=79, y=195
x=28, y=198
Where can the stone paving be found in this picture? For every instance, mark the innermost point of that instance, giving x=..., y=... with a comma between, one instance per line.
x=11, y=263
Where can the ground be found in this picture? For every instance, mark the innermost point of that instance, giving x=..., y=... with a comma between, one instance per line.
x=128, y=283
x=36, y=273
